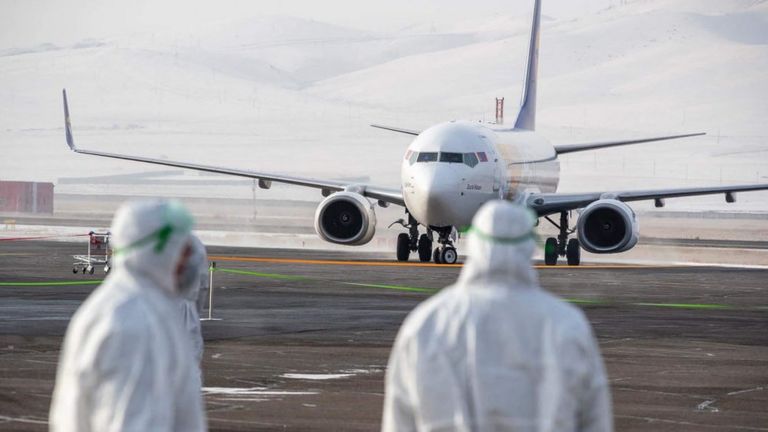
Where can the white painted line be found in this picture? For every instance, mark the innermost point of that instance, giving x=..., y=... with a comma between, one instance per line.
x=22, y=420
x=319, y=377
x=252, y=391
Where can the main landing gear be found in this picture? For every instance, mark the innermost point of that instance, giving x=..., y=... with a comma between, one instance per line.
x=413, y=242
x=561, y=246
x=422, y=244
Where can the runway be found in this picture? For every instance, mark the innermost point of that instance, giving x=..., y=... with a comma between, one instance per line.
x=300, y=339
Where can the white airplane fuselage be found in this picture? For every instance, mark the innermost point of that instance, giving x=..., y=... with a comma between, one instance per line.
x=453, y=168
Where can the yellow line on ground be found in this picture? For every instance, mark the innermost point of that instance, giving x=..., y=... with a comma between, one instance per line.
x=405, y=264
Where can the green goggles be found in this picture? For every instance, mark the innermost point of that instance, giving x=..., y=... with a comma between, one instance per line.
x=177, y=220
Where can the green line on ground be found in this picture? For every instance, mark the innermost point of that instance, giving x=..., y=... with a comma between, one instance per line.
x=393, y=287
x=292, y=277
x=585, y=301
x=53, y=283
x=264, y=275
x=686, y=305
x=578, y=301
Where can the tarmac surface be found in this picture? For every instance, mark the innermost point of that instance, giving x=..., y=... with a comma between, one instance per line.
x=301, y=338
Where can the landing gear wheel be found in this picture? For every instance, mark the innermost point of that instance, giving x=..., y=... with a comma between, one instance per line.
x=550, y=251
x=90, y=270
x=573, y=252
x=74, y=270
x=448, y=255
x=84, y=269
x=436, y=256
x=403, y=247
x=425, y=248
x=106, y=269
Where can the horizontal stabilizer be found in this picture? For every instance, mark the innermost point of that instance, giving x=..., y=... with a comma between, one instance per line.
x=572, y=148
x=397, y=129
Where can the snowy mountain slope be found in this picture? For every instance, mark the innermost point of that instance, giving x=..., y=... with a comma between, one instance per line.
x=654, y=60
x=295, y=95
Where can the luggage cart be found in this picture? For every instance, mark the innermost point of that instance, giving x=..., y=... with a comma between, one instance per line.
x=99, y=254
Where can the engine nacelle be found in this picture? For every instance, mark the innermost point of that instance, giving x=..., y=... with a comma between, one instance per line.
x=608, y=226
x=345, y=218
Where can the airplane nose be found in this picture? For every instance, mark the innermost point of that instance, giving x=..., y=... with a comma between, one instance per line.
x=435, y=195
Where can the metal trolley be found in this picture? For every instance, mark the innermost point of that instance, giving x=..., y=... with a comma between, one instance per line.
x=99, y=254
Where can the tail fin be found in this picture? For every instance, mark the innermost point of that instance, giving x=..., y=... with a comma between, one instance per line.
x=526, y=119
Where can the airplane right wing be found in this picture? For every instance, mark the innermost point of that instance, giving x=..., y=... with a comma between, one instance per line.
x=549, y=203
x=385, y=195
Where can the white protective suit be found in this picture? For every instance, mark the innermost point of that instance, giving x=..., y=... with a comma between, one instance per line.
x=193, y=284
x=126, y=362
x=495, y=352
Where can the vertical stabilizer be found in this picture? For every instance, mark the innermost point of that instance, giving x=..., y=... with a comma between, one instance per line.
x=526, y=119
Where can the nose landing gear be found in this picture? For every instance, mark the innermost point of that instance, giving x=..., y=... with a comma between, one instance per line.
x=446, y=253
x=562, y=246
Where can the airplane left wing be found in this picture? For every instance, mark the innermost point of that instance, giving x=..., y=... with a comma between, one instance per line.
x=385, y=195
x=548, y=203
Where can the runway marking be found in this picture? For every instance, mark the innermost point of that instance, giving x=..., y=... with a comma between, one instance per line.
x=7, y=419
x=270, y=260
x=585, y=301
x=687, y=305
x=296, y=277
x=738, y=392
x=52, y=283
x=265, y=275
x=393, y=287
x=280, y=276
x=578, y=301
x=328, y=262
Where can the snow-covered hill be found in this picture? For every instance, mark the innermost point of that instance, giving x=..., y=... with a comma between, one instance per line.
x=288, y=94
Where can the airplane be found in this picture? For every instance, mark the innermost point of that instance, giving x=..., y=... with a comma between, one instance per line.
x=452, y=168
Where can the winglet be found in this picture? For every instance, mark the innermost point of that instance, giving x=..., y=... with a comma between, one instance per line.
x=67, y=125
x=526, y=118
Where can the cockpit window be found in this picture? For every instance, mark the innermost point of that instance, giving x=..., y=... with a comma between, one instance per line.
x=470, y=160
x=427, y=157
x=451, y=157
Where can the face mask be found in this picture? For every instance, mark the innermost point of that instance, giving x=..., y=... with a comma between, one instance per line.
x=189, y=277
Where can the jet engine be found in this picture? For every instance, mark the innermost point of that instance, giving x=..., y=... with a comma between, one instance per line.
x=345, y=218
x=608, y=226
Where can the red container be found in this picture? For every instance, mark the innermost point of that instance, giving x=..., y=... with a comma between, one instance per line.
x=26, y=197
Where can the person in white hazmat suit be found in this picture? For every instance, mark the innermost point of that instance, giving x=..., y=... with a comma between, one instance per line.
x=126, y=362
x=495, y=352
x=193, y=286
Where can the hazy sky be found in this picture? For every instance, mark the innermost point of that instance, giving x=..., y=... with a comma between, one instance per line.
x=30, y=22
